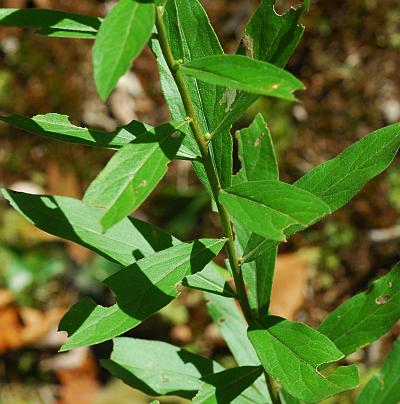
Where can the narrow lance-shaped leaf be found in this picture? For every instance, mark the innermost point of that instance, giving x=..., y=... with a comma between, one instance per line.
x=384, y=387
x=132, y=173
x=56, y=126
x=297, y=365
x=338, y=180
x=158, y=368
x=227, y=386
x=245, y=74
x=268, y=37
x=141, y=290
x=227, y=316
x=47, y=21
x=366, y=316
x=68, y=218
x=121, y=37
x=269, y=208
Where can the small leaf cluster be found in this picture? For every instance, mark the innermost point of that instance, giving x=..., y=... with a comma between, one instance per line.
x=278, y=361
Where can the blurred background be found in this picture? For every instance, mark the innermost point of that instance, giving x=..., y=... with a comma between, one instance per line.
x=349, y=60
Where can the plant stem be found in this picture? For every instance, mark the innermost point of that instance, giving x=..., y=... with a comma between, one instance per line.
x=207, y=162
x=272, y=389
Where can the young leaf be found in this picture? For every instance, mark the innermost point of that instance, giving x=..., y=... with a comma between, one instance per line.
x=210, y=280
x=41, y=19
x=228, y=386
x=68, y=218
x=338, y=180
x=158, y=368
x=256, y=153
x=227, y=316
x=384, y=387
x=268, y=37
x=121, y=37
x=268, y=208
x=366, y=316
x=141, y=290
x=245, y=74
x=131, y=175
x=56, y=126
x=293, y=354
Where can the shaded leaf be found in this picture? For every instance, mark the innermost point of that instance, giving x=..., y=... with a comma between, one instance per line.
x=210, y=280
x=384, y=387
x=366, y=316
x=227, y=386
x=68, y=218
x=293, y=354
x=121, y=37
x=71, y=25
x=255, y=247
x=131, y=174
x=245, y=74
x=258, y=162
x=227, y=316
x=56, y=126
x=268, y=37
x=338, y=180
x=141, y=290
x=59, y=33
x=256, y=153
x=269, y=208
x=158, y=368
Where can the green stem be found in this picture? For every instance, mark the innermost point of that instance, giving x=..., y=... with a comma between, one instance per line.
x=207, y=162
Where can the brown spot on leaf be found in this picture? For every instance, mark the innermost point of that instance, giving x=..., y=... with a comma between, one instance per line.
x=382, y=299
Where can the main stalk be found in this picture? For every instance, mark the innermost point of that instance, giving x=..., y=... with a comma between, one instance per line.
x=207, y=162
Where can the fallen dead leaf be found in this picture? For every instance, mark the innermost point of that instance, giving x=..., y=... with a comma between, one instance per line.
x=289, y=286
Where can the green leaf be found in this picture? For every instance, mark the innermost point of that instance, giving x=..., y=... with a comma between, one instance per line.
x=258, y=162
x=258, y=272
x=59, y=33
x=268, y=208
x=56, y=126
x=384, y=387
x=131, y=174
x=255, y=247
x=141, y=290
x=227, y=316
x=293, y=353
x=66, y=24
x=210, y=279
x=121, y=37
x=188, y=24
x=272, y=37
x=68, y=218
x=366, y=316
x=245, y=74
x=256, y=153
x=227, y=386
x=338, y=180
x=268, y=37
x=158, y=368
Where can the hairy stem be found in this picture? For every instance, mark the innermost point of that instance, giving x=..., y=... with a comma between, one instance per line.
x=207, y=162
